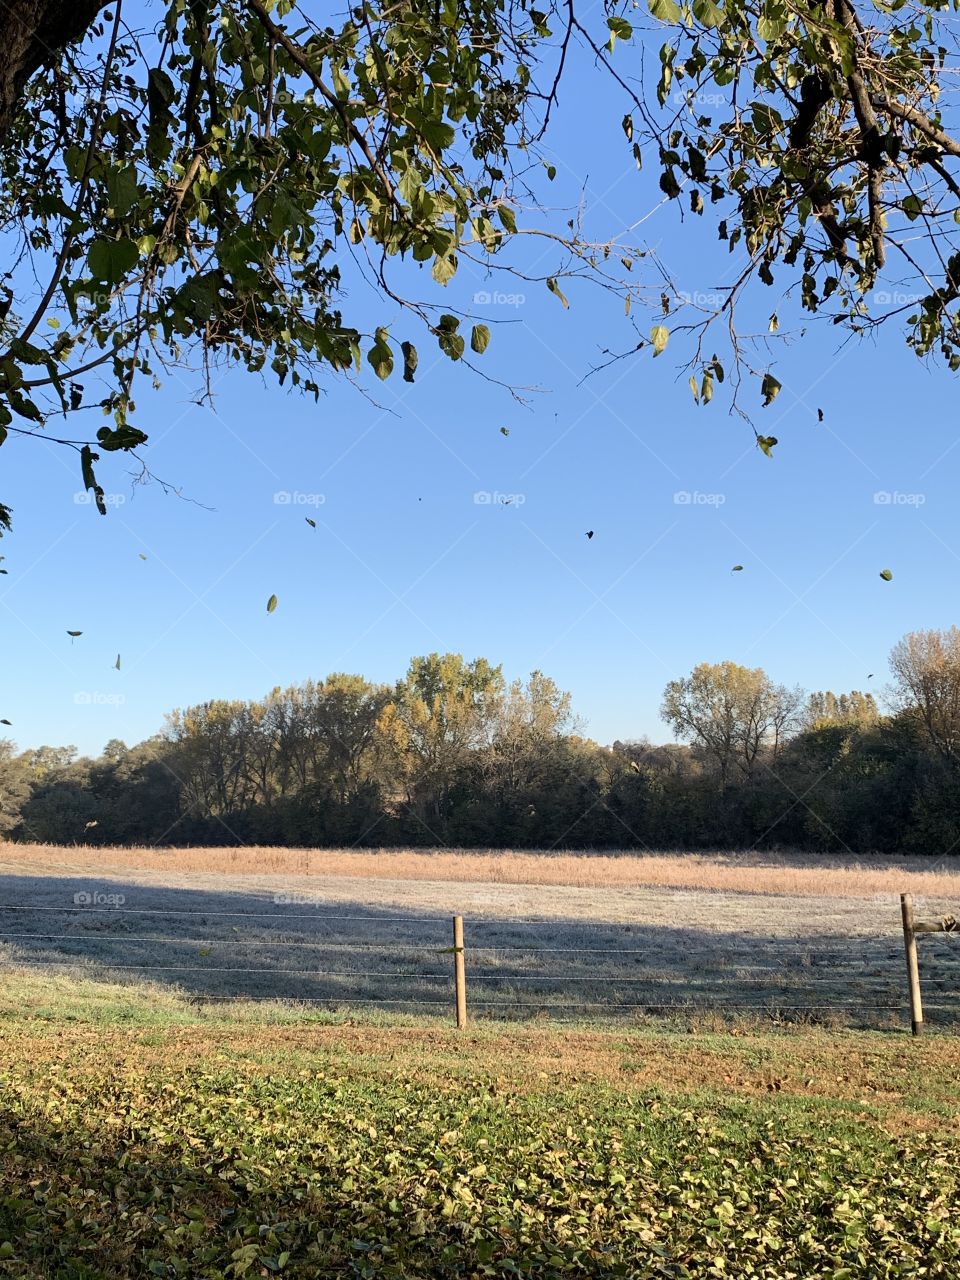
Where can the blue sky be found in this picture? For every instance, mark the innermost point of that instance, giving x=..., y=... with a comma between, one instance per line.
x=405, y=561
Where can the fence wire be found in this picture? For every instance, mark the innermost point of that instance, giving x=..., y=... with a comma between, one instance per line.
x=680, y=971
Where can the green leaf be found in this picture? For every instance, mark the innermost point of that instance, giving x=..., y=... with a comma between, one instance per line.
x=507, y=217
x=110, y=260
x=311, y=523
x=707, y=13
x=410, y=360
x=271, y=604
x=504, y=431
x=74, y=633
x=380, y=357
x=117, y=663
x=737, y=568
x=479, y=338
x=665, y=10
x=451, y=343
x=769, y=389
x=87, y=459
x=619, y=28
x=125, y=437
x=766, y=444
x=886, y=574
x=912, y=206
x=556, y=290
x=659, y=337
x=444, y=268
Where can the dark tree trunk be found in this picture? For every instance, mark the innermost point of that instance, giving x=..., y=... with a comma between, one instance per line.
x=33, y=33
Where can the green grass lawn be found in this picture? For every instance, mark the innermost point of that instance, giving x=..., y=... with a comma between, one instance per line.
x=139, y=1137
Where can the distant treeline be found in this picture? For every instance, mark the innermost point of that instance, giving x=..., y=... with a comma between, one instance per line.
x=454, y=755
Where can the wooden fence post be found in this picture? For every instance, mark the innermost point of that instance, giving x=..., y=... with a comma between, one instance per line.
x=913, y=968
x=459, y=972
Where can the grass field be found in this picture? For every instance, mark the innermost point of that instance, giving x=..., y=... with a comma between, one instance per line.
x=319, y=1124
x=749, y=872
x=782, y=938
x=139, y=1138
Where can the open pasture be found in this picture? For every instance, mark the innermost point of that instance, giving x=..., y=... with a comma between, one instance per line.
x=791, y=938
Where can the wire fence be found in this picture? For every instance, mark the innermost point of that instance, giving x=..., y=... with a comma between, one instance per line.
x=514, y=967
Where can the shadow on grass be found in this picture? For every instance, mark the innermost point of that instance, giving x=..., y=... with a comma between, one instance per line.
x=226, y=945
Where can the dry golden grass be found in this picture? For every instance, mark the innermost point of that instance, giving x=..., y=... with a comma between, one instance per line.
x=759, y=873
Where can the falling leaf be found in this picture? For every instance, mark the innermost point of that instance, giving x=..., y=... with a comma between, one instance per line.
x=504, y=431
x=92, y=823
x=117, y=663
x=311, y=523
x=886, y=574
x=737, y=568
x=204, y=951
x=4, y=722
x=74, y=633
x=819, y=415
x=142, y=556
x=271, y=604
x=870, y=676
x=766, y=444
x=769, y=389
x=589, y=533
x=659, y=337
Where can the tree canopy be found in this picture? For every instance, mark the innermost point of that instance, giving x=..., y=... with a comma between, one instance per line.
x=452, y=754
x=182, y=183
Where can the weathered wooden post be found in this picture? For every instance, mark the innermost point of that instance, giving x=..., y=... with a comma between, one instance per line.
x=459, y=972
x=913, y=968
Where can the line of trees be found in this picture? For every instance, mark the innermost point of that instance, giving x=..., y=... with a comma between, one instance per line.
x=453, y=754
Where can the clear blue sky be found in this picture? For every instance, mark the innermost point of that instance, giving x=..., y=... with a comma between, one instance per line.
x=404, y=561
